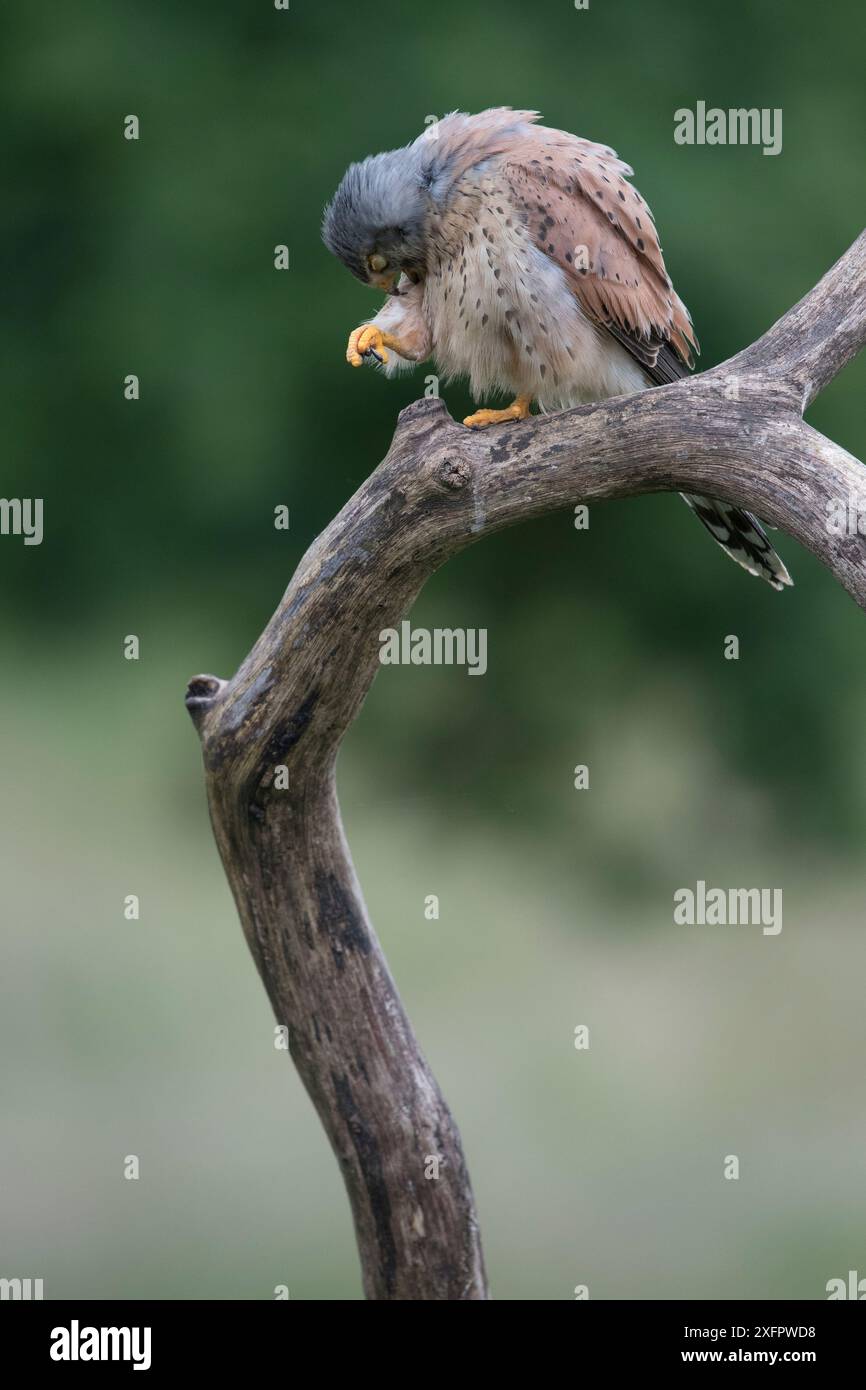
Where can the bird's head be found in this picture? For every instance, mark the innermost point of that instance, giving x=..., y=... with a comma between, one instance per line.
x=376, y=220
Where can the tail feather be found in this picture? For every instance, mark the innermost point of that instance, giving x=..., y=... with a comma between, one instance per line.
x=742, y=537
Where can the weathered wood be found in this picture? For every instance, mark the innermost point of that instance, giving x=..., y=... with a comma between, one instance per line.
x=736, y=433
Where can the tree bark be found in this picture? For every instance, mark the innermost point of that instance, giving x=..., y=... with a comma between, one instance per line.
x=736, y=433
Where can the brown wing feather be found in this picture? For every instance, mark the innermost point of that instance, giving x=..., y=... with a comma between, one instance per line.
x=575, y=194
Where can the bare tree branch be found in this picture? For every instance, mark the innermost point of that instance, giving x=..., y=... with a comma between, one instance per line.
x=736, y=433
x=820, y=335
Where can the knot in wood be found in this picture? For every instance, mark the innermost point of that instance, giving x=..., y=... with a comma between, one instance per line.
x=203, y=687
x=454, y=474
x=201, y=693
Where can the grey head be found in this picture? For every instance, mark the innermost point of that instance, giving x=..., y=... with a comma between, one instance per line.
x=377, y=220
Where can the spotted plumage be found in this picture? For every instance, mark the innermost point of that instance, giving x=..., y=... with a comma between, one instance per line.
x=523, y=259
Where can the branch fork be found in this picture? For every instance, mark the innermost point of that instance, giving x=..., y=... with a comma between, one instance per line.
x=736, y=433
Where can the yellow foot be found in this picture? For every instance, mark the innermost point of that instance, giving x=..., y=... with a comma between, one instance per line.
x=369, y=341
x=518, y=410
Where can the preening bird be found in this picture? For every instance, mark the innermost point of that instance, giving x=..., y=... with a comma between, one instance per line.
x=522, y=258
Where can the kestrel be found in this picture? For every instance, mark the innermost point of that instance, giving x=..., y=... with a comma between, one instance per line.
x=522, y=258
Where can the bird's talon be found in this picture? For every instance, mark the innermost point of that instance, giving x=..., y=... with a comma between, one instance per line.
x=367, y=341
x=518, y=410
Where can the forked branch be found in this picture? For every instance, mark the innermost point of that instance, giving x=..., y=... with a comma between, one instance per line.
x=736, y=433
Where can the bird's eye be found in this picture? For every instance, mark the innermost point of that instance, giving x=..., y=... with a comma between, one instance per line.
x=377, y=262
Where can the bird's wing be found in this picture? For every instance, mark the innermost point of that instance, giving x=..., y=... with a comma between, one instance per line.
x=574, y=196
x=582, y=212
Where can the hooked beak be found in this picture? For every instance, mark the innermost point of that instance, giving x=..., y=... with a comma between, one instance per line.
x=384, y=280
x=390, y=281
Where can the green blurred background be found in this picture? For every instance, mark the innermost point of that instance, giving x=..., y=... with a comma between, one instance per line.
x=605, y=647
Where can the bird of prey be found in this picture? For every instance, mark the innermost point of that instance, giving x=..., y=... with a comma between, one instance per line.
x=522, y=258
